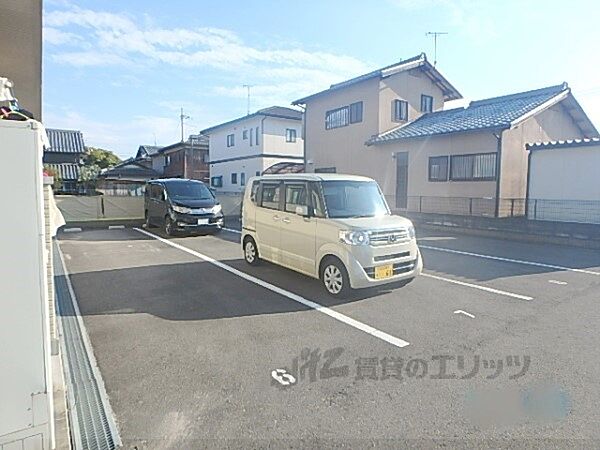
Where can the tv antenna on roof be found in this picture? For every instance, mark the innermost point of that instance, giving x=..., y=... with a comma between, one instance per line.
x=248, y=86
x=182, y=117
x=435, y=35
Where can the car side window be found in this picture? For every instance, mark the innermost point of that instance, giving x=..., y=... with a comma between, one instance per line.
x=271, y=193
x=295, y=195
x=254, y=191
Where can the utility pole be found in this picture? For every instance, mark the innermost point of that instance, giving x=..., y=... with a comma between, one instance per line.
x=182, y=117
x=435, y=35
x=248, y=86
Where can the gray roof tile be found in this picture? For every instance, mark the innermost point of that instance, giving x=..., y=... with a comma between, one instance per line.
x=65, y=141
x=497, y=113
x=67, y=171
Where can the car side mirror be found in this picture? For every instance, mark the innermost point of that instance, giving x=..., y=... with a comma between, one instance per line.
x=302, y=210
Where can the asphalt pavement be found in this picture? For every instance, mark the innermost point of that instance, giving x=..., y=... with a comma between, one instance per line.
x=496, y=345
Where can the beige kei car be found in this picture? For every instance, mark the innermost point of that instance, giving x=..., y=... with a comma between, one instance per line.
x=334, y=227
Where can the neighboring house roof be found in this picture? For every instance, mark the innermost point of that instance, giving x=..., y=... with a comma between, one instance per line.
x=128, y=169
x=147, y=150
x=65, y=141
x=279, y=112
x=494, y=113
x=66, y=171
x=569, y=143
x=200, y=141
x=416, y=62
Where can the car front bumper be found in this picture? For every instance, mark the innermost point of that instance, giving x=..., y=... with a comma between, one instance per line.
x=198, y=222
x=403, y=269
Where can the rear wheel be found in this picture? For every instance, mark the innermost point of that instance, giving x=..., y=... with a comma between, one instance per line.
x=335, y=278
x=169, y=226
x=251, y=252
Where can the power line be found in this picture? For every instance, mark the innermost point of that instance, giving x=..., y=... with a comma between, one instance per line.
x=435, y=35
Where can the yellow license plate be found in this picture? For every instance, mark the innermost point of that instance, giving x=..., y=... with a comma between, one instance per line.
x=384, y=271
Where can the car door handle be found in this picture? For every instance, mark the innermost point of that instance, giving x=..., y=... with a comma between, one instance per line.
x=276, y=217
x=286, y=220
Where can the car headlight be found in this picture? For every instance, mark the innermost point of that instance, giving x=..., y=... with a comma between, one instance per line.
x=182, y=209
x=411, y=232
x=354, y=237
x=216, y=209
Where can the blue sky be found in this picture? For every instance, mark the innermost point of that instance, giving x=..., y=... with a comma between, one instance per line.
x=120, y=70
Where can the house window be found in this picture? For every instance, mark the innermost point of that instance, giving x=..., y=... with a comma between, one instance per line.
x=426, y=103
x=438, y=168
x=167, y=160
x=399, y=110
x=230, y=140
x=258, y=173
x=256, y=137
x=356, y=112
x=216, y=181
x=205, y=158
x=251, y=137
x=326, y=170
x=234, y=178
x=336, y=118
x=243, y=179
x=290, y=135
x=245, y=134
x=476, y=167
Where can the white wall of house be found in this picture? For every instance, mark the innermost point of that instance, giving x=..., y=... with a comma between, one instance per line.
x=566, y=173
x=246, y=155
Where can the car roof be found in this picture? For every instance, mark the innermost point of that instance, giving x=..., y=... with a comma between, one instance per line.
x=315, y=177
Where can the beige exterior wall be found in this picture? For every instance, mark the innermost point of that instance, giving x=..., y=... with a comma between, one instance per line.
x=552, y=124
x=21, y=51
x=407, y=86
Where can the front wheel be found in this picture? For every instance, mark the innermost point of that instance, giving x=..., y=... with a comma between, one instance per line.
x=169, y=226
x=335, y=278
x=251, y=252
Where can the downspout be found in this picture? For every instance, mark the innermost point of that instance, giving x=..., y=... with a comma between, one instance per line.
x=498, y=170
x=528, y=181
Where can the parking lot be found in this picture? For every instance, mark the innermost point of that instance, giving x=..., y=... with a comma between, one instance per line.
x=496, y=339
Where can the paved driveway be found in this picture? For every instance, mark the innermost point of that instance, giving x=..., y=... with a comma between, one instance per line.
x=502, y=341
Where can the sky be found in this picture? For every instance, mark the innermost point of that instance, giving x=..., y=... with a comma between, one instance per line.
x=120, y=71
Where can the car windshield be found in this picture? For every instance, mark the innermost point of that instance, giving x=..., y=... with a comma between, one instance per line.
x=345, y=199
x=189, y=191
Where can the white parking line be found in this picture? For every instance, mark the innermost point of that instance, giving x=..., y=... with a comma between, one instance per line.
x=71, y=230
x=476, y=286
x=231, y=230
x=562, y=283
x=116, y=227
x=297, y=298
x=460, y=311
x=517, y=261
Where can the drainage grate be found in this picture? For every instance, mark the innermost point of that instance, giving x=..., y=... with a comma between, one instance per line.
x=91, y=419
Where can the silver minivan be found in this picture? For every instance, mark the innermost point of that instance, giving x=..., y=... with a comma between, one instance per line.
x=334, y=227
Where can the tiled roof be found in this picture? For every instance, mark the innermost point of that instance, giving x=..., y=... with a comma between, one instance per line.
x=563, y=144
x=273, y=111
x=67, y=171
x=496, y=113
x=129, y=168
x=65, y=141
x=419, y=61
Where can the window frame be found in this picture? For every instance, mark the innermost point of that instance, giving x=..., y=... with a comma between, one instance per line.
x=234, y=178
x=403, y=110
x=231, y=140
x=244, y=135
x=429, y=98
x=216, y=177
x=357, y=107
x=447, y=174
x=290, y=135
x=304, y=185
x=279, y=184
x=256, y=138
x=242, y=178
x=344, y=123
x=472, y=177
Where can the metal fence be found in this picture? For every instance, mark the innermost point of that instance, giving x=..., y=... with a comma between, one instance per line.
x=581, y=211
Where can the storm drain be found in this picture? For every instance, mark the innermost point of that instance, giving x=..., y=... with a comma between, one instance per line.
x=91, y=419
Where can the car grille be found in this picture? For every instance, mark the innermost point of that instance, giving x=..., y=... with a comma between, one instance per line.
x=391, y=256
x=401, y=267
x=388, y=237
x=201, y=210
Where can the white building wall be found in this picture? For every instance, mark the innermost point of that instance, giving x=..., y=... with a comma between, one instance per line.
x=271, y=141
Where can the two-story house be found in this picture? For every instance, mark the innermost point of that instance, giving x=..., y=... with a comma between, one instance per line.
x=188, y=159
x=64, y=156
x=390, y=124
x=247, y=146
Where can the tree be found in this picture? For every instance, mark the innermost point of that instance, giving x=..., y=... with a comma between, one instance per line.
x=54, y=174
x=100, y=157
